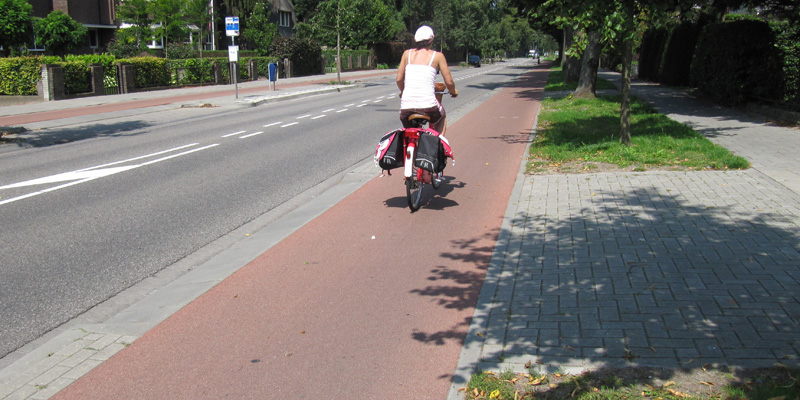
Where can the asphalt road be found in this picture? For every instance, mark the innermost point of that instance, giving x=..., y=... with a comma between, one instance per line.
x=98, y=207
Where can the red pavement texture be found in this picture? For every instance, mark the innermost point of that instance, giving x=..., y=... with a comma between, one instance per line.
x=27, y=118
x=330, y=313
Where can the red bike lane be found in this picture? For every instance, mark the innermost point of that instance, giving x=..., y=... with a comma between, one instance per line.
x=367, y=301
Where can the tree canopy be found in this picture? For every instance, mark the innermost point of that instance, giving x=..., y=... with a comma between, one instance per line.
x=59, y=33
x=16, y=23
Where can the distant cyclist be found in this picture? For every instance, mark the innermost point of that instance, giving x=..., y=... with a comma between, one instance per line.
x=415, y=79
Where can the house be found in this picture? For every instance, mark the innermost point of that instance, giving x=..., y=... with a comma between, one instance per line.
x=98, y=16
x=283, y=15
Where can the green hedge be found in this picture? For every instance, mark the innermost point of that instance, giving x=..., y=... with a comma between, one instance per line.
x=305, y=54
x=651, y=53
x=788, y=41
x=149, y=71
x=735, y=61
x=679, y=48
x=18, y=75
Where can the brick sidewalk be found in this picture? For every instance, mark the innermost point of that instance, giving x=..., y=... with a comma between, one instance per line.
x=662, y=269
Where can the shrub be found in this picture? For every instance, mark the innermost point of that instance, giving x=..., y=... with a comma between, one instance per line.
x=149, y=71
x=679, y=47
x=652, y=51
x=77, y=77
x=735, y=61
x=18, y=75
x=304, y=54
x=788, y=40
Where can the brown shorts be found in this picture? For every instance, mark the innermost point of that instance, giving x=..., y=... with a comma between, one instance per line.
x=435, y=113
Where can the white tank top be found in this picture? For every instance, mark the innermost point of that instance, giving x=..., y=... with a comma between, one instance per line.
x=418, y=89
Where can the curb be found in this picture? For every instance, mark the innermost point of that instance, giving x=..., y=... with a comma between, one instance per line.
x=258, y=100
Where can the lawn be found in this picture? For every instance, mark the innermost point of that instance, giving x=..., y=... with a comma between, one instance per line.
x=583, y=135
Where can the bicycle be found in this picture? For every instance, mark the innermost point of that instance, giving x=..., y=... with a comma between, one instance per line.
x=399, y=148
x=416, y=177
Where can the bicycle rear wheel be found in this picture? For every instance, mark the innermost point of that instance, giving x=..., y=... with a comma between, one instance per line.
x=413, y=191
x=436, y=180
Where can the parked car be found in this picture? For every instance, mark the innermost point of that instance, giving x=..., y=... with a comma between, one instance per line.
x=474, y=60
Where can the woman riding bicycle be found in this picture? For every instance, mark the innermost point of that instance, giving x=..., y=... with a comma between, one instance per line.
x=415, y=79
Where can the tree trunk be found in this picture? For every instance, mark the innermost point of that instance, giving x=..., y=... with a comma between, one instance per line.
x=590, y=62
x=570, y=65
x=625, y=109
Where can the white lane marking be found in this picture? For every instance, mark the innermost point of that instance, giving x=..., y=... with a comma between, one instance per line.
x=289, y=124
x=328, y=110
x=92, y=173
x=70, y=176
x=380, y=97
x=234, y=134
x=304, y=116
x=360, y=105
x=158, y=153
x=272, y=124
x=377, y=101
x=180, y=154
x=342, y=110
x=252, y=134
x=319, y=116
x=349, y=105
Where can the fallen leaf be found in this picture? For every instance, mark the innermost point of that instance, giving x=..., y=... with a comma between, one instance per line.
x=594, y=193
x=706, y=366
x=707, y=383
x=537, y=381
x=528, y=364
x=668, y=384
x=553, y=386
x=676, y=393
x=495, y=393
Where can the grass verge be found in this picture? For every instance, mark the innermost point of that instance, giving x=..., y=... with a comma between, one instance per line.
x=777, y=383
x=582, y=135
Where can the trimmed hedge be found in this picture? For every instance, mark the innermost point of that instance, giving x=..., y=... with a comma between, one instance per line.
x=679, y=48
x=788, y=40
x=18, y=75
x=735, y=61
x=149, y=71
x=651, y=53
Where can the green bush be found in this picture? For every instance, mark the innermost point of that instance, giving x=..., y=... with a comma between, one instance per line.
x=679, y=47
x=106, y=60
x=788, y=40
x=18, y=75
x=651, y=53
x=77, y=77
x=735, y=61
x=149, y=71
x=191, y=71
x=305, y=54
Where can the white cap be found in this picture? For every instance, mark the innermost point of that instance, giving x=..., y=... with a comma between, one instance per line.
x=424, y=33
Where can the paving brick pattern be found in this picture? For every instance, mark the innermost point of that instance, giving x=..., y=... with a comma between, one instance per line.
x=50, y=374
x=666, y=269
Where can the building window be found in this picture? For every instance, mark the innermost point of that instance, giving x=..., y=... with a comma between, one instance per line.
x=36, y=47
x=94, y=38
x=285, y=18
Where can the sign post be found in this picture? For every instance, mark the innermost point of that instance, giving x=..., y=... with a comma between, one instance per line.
x=232, y=30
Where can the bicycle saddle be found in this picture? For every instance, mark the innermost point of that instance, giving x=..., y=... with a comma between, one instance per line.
x=419, y=116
